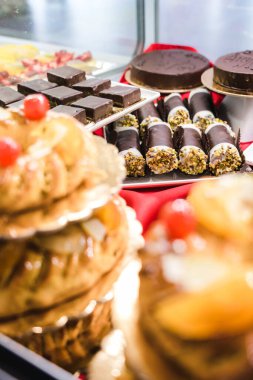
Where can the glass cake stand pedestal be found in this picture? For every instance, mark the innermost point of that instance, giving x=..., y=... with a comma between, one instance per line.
x=238, y=107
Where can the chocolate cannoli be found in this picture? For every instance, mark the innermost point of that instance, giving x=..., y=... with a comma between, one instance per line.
x=128, y=144
x=161, y=156
x=128, y=120
x=192, y=158
x=147, y=114
x=176, y=112
x=224, y=156
x=202, y=108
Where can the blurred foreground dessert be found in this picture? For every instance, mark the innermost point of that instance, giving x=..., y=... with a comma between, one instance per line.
x=64, y=232
x=195, y=319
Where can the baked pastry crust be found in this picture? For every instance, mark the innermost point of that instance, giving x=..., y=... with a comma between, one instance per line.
x=57, y=155
x=69, y=333
x=48, y=269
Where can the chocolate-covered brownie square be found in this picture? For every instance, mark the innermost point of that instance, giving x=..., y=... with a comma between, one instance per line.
x=34, y=86
x=65, y=75
x=122, y=96
x=8, y=95
x=62, y=95
x=92, y=86
x=77, y=113
x=96, y=108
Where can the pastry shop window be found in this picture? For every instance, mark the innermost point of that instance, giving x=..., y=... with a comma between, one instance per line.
x=213, y=27
x=103, y=34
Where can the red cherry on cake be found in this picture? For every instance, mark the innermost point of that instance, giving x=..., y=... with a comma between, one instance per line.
x=36, y=106
x=179, y=219
x=9, y=152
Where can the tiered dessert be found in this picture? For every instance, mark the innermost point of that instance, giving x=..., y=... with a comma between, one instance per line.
x=64, y=232
x=196, y=289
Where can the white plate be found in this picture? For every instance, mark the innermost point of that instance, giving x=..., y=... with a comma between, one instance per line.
x=176, y=178
x=147, y=96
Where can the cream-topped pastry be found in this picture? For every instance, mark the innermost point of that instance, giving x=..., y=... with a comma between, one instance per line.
x=56, y=156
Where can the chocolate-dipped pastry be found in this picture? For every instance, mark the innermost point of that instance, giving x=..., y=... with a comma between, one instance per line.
x=8, y=95
x=35, y=86
x=77, y=113
x=95, y=107
x=128, y=143
x=147, y=114
x=161, y=156
x=62, y=95
x=122, y=96
x=224, y=156
x=65, y=75
x=192, y=158
x=129, y=120
x=176, y=112
x=201, y=107
x=92, y=86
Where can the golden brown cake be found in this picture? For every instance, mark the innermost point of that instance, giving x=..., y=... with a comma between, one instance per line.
x=196, y=288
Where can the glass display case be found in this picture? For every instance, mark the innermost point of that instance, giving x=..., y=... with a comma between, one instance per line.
x=101, y=38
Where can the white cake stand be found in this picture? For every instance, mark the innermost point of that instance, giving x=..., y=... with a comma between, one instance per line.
x=238, y=106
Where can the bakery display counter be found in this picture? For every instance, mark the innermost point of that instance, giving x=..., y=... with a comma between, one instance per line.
x=125, y=209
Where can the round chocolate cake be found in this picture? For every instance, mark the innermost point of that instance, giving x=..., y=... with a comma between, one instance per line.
x=235, y=71
x=169, y=69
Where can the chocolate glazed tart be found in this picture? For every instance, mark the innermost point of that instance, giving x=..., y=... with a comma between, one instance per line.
x=235, y=71
x=169, y=69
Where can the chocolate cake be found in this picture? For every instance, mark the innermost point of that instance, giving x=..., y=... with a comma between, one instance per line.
x=169, y=69
x=235, y=71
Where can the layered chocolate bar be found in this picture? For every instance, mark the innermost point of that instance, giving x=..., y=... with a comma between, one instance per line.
x=95, y=107
x=77, y=113
x=8, y=95
x=35, y=86
x=92, y=86
x=65, y=75
x=62, y=95
x=122, y=96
